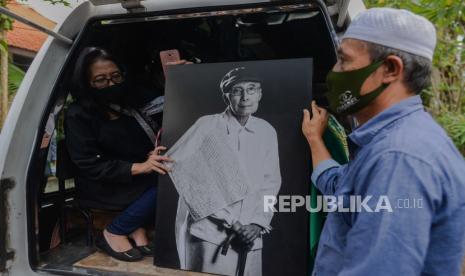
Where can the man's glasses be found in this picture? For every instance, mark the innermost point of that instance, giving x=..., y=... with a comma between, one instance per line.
x=238, y=91
x=102, y=81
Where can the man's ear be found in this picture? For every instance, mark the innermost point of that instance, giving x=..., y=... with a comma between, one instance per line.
x=394, y=69
x=226, y=99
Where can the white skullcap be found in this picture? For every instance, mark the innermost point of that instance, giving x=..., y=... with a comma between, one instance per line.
x=394, y=28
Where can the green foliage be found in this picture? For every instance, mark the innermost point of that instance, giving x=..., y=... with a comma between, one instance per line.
x=58, y=2
x=454, y=124
x=3, y=46
x=15, y=77
x=6, y=23
x=445, y=99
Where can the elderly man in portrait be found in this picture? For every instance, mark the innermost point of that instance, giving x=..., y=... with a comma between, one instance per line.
x=229, y=240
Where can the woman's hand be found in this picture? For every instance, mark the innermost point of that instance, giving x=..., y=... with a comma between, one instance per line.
x=179, y=62
x=154, y=163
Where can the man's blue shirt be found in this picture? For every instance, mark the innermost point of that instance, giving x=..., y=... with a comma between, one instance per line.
x=403, y=154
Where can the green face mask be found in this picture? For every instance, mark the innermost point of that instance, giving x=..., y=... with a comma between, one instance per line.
x=344, y=89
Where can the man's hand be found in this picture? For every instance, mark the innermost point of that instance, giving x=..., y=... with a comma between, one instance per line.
x=314, y=127
x=154, y=163
x=248, y=233
x=236, y=226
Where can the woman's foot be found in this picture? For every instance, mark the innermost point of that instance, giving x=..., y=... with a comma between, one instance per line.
x=141, y=241
x=117, y=250
x=118, y=243
x=140, y=237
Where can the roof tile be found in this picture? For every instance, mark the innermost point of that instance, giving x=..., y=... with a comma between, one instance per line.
x=25, y=37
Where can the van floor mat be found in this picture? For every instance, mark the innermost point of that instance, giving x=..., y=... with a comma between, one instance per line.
x=101, y=261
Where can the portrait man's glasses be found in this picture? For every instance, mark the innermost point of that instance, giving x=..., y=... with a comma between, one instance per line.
x=102, y=81
x=238, y=91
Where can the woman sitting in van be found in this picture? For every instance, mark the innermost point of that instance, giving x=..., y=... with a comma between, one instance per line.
x=111, y=131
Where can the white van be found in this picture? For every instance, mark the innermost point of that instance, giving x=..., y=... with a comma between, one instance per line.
x=35, y=201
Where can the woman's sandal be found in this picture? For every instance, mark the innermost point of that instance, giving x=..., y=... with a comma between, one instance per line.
x=131, y=255
x=146, y=250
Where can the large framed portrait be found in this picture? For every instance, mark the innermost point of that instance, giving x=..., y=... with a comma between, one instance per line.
x=234, y=131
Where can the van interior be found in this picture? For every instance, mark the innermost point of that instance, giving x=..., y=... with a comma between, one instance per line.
x=60, y=231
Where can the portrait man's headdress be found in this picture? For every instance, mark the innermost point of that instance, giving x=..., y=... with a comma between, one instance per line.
x=238, y=74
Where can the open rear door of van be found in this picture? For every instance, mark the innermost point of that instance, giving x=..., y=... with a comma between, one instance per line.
x=19, y=141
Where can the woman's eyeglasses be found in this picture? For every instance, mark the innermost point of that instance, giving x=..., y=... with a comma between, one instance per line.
x=102, y=81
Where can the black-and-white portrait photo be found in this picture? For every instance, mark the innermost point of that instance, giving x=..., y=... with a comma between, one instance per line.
x=231, y=143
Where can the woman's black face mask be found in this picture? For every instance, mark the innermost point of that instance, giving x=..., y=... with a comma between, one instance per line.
x=113, y=94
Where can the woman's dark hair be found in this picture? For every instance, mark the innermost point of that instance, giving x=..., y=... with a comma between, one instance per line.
x=81, y=90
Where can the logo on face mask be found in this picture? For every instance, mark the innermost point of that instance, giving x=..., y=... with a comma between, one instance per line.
x=346, y=100
x=344, y=89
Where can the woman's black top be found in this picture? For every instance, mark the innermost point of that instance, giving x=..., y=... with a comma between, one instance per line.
x=104, y=151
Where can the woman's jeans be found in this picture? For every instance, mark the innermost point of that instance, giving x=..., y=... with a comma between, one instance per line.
x=135, y=215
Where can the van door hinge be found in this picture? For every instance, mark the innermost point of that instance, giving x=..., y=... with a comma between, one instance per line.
x=131, y=6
